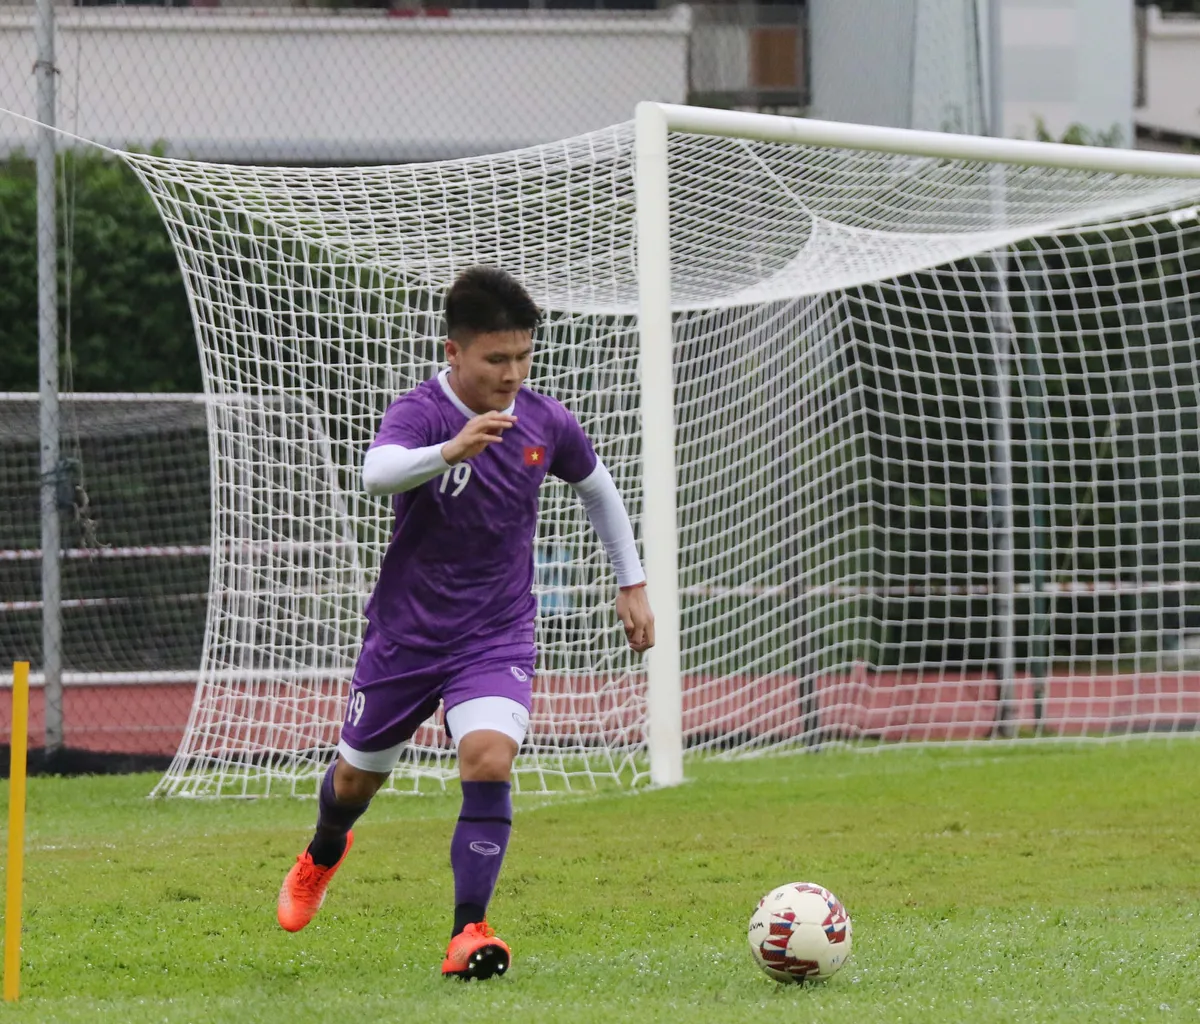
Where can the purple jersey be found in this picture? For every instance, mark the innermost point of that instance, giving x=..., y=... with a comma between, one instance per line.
x=459, y=568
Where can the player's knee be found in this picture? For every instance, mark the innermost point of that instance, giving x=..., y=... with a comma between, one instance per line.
x=486, y=756
x=486, y=768
x=353, y=785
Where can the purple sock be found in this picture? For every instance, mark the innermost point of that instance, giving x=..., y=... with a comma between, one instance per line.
x=477, y=849
x=334, y=820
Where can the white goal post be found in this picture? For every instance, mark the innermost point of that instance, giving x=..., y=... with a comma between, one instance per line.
x=906, y=423
x=654, y=124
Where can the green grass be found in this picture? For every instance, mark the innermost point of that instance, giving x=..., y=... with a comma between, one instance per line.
x=1047, y=884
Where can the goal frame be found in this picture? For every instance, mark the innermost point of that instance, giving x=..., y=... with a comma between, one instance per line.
x=653, y=123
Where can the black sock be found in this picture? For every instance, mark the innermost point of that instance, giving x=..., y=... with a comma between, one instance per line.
x=326, y=848
x=465, y=914
x=334, y=820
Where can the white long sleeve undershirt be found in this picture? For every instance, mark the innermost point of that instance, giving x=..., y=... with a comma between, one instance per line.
x=393, y=469
x=608, y=517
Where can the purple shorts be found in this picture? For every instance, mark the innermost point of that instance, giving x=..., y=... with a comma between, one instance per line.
x=396, y=688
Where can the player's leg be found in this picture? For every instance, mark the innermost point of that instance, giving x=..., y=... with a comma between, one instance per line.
x=345, y=793
x=488, y=731
x=485, y=758
x=391, y=695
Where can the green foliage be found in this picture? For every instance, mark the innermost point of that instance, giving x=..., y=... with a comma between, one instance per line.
x=1079, y=135
x=1041, y=885
x=124, y=301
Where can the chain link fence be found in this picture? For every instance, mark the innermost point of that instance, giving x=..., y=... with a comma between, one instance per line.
x=307, y=83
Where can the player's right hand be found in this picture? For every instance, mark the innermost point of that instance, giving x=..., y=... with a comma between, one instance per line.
x=479, y=432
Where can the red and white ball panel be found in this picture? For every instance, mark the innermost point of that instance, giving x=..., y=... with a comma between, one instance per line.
x=800, y=932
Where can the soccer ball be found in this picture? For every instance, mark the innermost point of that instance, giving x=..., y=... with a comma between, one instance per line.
x=800, y=932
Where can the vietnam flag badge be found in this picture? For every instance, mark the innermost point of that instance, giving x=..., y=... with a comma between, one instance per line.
x=535, y=455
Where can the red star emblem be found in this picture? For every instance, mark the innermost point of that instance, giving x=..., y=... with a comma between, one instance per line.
x=535, y=455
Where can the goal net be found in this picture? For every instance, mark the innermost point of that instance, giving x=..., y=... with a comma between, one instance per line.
x=934, y=475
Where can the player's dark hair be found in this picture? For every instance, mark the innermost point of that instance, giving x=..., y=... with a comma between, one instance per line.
x=483, y=300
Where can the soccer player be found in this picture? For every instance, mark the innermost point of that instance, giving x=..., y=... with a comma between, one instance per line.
x=452, y=615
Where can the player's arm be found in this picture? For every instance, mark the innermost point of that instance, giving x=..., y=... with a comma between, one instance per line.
x=395, y=468
x=611, y=522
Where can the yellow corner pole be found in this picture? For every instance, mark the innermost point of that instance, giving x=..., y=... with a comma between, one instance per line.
x=16, y=831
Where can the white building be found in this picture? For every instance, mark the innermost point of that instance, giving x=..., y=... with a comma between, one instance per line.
x=927, y=64
x=1168, y=110
x=1068, y=63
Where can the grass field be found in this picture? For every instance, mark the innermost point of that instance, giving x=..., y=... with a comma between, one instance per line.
x=1049, y=884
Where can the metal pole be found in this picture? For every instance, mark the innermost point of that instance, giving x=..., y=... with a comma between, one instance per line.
x=995, y=98
x=1034, y=375
x=1003, y=581
x=48, y=376
x=1003, y=571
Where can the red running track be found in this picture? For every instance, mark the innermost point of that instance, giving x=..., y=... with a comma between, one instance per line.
x=150, y=719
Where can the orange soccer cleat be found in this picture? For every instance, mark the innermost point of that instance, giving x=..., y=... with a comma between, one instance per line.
x=475, y=952
x=303, y=890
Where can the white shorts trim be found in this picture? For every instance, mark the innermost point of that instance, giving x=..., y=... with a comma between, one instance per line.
x=381, y=761
x=498, y=714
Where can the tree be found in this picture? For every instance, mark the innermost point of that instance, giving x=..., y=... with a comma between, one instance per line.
x=122, y=305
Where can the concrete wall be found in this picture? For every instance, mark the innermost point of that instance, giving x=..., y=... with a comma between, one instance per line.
x=907, y=64
x=926, y=64
x=904, y=63
x=366, y=87
x=862, y=60
x=1067, y=62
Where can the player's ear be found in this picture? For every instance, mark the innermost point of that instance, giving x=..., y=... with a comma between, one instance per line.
x=453, y=349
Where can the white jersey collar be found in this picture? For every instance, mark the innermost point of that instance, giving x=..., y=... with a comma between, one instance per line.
x=443, y=379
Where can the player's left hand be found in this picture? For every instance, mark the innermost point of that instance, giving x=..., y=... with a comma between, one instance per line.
x=633, y=609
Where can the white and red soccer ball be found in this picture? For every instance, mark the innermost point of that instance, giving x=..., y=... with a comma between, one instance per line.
x=800, y=932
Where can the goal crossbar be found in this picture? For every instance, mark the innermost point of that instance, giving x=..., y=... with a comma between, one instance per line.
x=663, y=117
